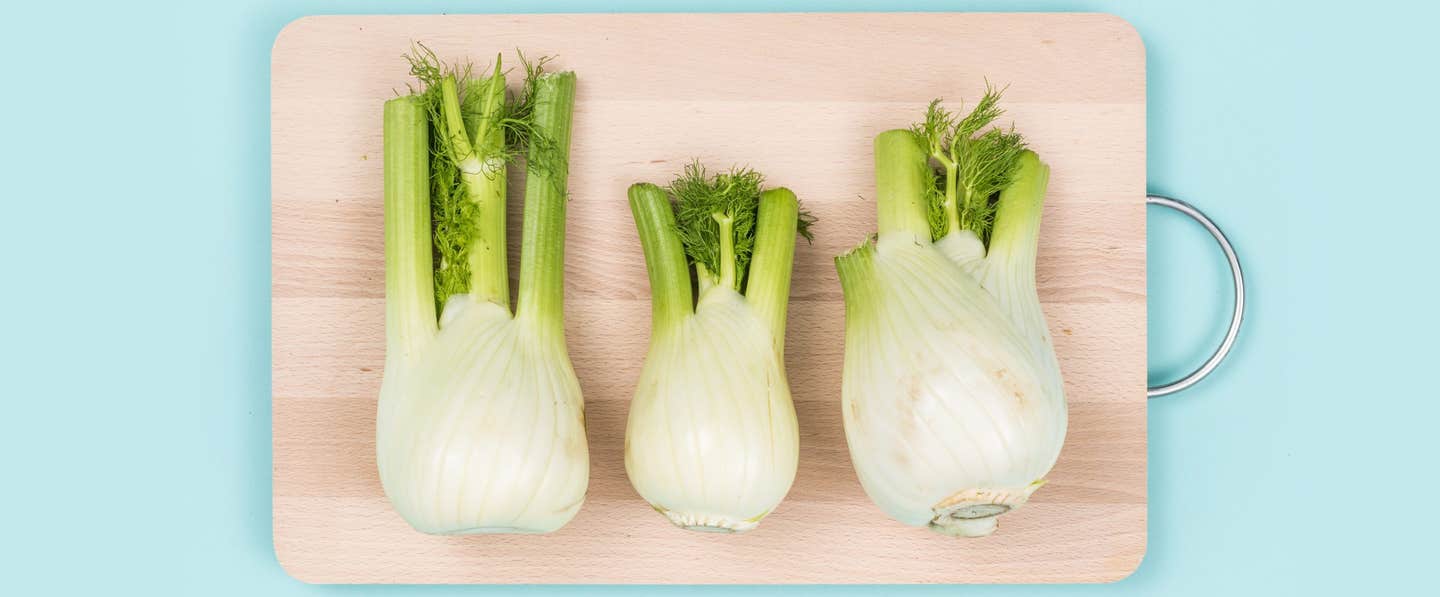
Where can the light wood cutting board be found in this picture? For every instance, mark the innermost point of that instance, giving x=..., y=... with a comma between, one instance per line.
x=798, y=97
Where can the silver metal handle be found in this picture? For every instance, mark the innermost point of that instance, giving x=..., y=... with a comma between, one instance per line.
x=1225, y=345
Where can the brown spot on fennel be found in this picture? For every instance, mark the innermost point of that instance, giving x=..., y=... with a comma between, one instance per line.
x=1002, y=375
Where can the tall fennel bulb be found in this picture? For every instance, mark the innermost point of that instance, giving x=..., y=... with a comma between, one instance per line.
x=481, y=426
x=953, y=405
x=712, y=442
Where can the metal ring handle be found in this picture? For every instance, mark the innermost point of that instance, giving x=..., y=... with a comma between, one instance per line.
x=1225, y=345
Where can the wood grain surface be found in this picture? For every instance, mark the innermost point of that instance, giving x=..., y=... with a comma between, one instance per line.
x=798, y=97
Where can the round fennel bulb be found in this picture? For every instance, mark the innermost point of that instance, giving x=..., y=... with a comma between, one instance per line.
x=484, y=431
x=953, y=405
x=712, y=441
x=714, y=381
x=480, y=426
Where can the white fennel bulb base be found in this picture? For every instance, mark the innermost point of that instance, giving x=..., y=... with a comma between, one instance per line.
x=484, y=432
x=713, y=443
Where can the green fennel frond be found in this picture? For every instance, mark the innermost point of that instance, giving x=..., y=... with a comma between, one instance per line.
x=708, y=204
x=935, y=212
x=972, y=167
x=703, y=200
x=936, y=131
x=803, y=222
x=984, y=113
x=986, y=169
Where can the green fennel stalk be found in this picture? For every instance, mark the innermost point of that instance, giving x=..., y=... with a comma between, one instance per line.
x=542, y=252
x=409, y=285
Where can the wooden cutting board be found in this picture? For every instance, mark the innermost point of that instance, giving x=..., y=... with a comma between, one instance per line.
x=798, y=97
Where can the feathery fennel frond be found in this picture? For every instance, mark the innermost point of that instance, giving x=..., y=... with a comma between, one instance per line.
x=971, y=166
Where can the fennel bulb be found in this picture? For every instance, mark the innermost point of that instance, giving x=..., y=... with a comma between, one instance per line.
x=712, y=442
x=954, y=409
x=481, y=425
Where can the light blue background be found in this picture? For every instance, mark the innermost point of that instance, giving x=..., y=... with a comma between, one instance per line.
x=134, y=307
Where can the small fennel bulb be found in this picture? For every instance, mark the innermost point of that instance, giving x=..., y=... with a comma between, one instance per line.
x=481, y=425
x=712, y=441
x=954, y=409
